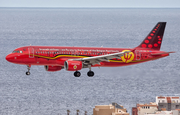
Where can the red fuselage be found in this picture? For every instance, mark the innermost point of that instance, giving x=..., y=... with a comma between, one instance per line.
x=56, y=56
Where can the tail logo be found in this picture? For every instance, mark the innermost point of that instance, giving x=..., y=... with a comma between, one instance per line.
x=127, y=57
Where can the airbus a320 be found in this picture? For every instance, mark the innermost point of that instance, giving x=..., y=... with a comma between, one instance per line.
x=55, y=58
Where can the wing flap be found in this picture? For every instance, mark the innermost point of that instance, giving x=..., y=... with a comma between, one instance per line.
x=98, y=59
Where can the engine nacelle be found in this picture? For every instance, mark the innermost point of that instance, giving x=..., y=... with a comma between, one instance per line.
x=52, y=68
x=71, y=65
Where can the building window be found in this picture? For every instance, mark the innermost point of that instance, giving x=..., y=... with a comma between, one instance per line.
x=161, y=106
x=134, y=113
x=177, y=106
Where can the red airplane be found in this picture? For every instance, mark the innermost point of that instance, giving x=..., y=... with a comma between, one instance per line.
x=75, y=58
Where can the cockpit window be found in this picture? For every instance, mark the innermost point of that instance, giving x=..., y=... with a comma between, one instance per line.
x=20, y=51
x=15, y=51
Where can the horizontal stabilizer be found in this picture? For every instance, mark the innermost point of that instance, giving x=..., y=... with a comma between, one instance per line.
x=162, y=53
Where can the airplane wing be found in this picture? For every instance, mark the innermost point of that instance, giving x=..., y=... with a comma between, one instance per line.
x=97, y=59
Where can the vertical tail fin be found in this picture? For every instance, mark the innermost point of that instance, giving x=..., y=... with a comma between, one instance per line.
x=154, y=38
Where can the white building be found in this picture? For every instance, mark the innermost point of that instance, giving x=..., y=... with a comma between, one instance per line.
x=163, y=106
x=169, y=103
x=142, y=109
x=173, y=112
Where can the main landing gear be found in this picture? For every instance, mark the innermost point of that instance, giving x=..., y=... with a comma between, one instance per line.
x=77, y=74
x=89, y=73
x=28, y=72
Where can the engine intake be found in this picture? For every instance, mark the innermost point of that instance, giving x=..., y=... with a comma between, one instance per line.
x=52, y=68
x=70, y=65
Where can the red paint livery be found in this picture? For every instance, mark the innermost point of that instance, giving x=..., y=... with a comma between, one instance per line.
x=76, y=58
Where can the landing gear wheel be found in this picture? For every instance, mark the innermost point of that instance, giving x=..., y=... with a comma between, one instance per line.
x=28, y=73
x=28, y=67
x=90, y=73
x=77, y=74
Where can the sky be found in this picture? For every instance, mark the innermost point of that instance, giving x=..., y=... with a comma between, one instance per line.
x=92, y=3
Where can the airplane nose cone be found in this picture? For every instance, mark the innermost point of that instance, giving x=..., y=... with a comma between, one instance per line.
x=14, y=58
x=10, y=58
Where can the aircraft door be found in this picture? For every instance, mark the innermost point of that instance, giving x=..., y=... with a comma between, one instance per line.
x=138, y=55
x=31, y=52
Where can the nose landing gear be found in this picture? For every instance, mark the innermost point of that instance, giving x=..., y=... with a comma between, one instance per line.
x=28, y=72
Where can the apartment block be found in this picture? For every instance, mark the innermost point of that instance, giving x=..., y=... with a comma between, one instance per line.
x=173, y=112
x=142, y=109
x=163, y=106
x=168, y=103
x=112, y=109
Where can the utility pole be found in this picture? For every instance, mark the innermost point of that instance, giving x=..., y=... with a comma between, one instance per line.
x=85, y=113
x=68, y=111
x=77, y=112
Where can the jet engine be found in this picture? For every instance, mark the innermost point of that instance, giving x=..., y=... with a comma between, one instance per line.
x=52, y=68
x=71, y=65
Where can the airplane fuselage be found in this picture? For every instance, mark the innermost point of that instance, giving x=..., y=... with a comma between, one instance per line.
x=56, y=56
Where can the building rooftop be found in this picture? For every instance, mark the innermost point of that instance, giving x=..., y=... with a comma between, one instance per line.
x=151, y=104
x=117, y=106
